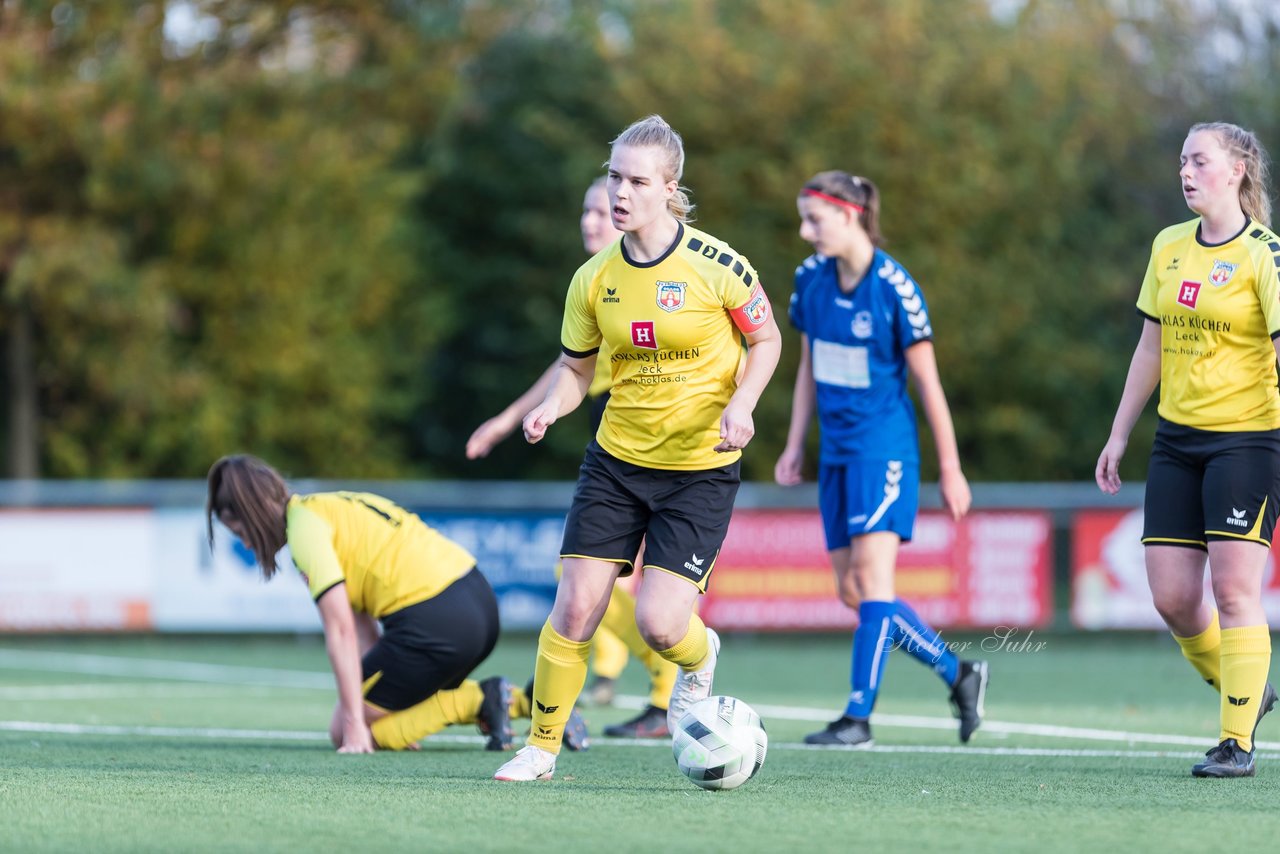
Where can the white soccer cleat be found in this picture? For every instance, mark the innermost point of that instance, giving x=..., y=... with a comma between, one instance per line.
x=530, y=763
x=693, y=685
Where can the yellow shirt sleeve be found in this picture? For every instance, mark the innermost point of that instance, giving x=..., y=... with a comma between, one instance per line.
x=1267, y=281
x=1147, y=303
x=734, y=290
x=580, y=333
x=311, y=544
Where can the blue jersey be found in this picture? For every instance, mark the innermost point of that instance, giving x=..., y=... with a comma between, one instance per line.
x=857, y=344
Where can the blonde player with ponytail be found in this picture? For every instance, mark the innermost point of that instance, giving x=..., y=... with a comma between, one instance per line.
x=1211, y=303
x=674, y=306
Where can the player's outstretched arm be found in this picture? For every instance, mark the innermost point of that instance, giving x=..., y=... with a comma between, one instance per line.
x=1144, y=374
x=923, y=367
x=803, y=402
x=342, y=645
x=490, y=433
x=568, y=386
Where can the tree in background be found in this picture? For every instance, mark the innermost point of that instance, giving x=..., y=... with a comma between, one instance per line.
x=338, y=234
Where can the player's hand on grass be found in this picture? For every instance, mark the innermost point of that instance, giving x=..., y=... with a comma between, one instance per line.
x=488, y=435
x=356, y=738
x=538, y=420
x=787, y=470
x=736, y=428
x=956, y=496
x=1107, y=472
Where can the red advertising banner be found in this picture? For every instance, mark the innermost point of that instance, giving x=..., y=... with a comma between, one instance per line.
x=1109, y=574
x=990, y=569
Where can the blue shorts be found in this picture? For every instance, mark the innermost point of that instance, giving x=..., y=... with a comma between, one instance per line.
x=867, y=496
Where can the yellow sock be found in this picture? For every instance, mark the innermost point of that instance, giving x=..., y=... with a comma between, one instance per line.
x=400, y=729
x=557, y=680
x=609, y=653
x=1246, y=658
x=1204, y=651
x=620, y=618
x=692, y=652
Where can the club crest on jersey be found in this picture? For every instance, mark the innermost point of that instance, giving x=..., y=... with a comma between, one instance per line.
x=862, y=324
x=1188, y=294
x=671, y=295
x=643, y=336
x=1222, y=273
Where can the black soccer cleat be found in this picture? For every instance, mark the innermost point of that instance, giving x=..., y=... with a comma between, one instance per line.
x=1225, y=760
x=1268, y=703
x=968, y=697
x=575, y=735
x=844, y=732
x=650, y=723
x=494, y=718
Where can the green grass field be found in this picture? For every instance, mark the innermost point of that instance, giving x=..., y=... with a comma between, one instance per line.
x=216, y=744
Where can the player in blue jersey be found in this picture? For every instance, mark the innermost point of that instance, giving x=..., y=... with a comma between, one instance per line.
x=865, y=327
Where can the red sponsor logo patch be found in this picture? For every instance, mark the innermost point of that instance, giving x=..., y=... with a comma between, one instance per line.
x=643, y=336
x=1188, y=293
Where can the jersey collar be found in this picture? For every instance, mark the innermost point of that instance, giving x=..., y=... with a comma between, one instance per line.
x=622, y=244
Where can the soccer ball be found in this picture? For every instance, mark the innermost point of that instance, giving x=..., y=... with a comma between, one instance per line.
x=719, y=743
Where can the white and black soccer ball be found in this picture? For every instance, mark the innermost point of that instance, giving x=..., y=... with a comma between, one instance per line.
x=719, y=743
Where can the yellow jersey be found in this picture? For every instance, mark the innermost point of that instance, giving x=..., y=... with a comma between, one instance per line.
x=387, y=556
x=602, y=379
x=1219, y=309
x=672, y=348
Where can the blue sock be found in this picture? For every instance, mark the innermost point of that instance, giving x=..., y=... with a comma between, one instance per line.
x=872, y=641
x=921, y=642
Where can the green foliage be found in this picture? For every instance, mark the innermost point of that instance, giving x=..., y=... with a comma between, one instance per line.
x=338, y=234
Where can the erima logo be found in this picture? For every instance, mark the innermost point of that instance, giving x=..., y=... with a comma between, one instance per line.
x=1174, y=264
x=696, y=566
x=546, y=710
x=1237, y=518
x=1238, y=701
x=612, y=295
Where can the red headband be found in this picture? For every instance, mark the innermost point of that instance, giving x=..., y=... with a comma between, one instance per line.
x=818, y=194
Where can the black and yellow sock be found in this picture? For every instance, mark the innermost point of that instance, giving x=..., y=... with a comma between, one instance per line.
x=398, y=730
x=1204, y=651
x=620, y=618
x=692, y=652
x=557, y=680
x=1246, y=658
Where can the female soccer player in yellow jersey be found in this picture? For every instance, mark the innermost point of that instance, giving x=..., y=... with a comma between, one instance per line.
x=1211, y=304
x=673, y=305
x=367, y=561
x=617, y=633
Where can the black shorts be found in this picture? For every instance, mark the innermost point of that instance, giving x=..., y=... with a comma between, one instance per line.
x=681, y=516
x=433, y=645
x=1207, y=485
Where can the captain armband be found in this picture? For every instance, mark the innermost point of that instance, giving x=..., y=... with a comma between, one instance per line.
x=753, y=313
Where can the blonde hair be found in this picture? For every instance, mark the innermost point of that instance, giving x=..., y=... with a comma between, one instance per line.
x=1243, y=144
x=654, y=132
x=856, y=191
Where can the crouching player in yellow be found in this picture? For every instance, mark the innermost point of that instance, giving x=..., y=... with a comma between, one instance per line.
x=371, y=564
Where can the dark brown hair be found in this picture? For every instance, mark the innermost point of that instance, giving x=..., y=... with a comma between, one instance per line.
x=256, y=495
x=855, y=190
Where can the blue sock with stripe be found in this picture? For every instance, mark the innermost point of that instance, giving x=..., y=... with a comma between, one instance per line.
x=872, y=641
x=918, y=639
